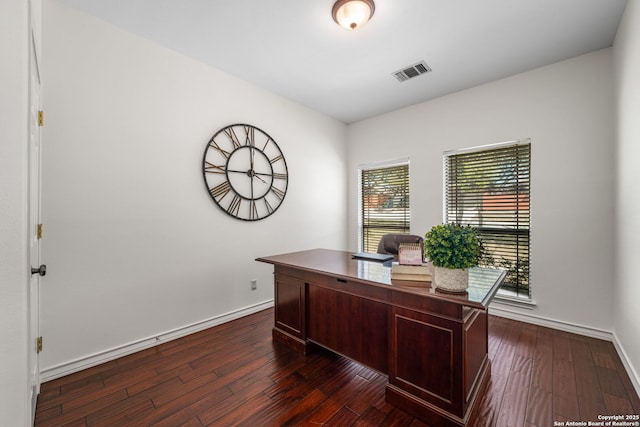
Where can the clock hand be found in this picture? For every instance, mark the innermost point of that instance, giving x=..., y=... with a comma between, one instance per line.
x=251, y=174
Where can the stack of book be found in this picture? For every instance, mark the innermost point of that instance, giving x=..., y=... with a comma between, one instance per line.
x=413, y=273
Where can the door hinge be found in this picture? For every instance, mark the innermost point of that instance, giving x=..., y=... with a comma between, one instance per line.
x=40, y=118
x=39, y=231
x=39, y=344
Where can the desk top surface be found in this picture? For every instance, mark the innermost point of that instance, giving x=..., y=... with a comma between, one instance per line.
x=483, y=282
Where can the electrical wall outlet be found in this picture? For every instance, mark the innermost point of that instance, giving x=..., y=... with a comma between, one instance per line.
x=254, y=285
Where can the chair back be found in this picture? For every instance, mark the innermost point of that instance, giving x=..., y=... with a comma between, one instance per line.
x=390, y=242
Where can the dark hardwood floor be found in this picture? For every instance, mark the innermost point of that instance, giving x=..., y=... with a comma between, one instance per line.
x=233, y=374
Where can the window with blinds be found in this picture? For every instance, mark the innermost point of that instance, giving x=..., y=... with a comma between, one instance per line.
x=384, y=201
x=489, y=189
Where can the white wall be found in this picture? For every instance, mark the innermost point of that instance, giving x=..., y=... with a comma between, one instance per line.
x=134, y=245
x=567, y=110
x=14, y=279
x=627, y=89
x=136, y=248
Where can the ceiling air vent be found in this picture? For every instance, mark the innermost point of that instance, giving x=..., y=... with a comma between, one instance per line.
x=412, y=71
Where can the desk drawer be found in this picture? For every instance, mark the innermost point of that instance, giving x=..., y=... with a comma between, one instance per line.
x=432, y=306
x=364, y=290
x=288, y=271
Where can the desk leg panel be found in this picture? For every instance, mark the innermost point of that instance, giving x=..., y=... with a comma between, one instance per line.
x=476, y=347
x=437, y=366
x=289, y=305
x=426, y=358
x=432, y=414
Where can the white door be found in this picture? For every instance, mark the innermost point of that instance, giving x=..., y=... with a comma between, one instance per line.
x=34, y=221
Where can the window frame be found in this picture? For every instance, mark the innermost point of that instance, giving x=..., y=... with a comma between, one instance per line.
x=379, y=165
x=503, y=229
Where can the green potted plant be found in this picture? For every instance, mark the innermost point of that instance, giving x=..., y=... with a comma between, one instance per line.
x=452, y=249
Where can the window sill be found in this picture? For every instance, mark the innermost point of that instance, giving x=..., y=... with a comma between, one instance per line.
x=510, y=298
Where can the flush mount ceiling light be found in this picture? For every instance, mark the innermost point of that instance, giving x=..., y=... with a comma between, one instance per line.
x=352, y=14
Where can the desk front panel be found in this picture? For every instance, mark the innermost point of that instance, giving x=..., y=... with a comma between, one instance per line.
x=353, y=326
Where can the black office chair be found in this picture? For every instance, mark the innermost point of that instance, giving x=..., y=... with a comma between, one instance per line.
x=390, y=242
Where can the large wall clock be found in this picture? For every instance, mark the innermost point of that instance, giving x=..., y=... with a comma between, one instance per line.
x=245, y=172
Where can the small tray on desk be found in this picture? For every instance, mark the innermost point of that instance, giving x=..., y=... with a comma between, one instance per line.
x=370, y=256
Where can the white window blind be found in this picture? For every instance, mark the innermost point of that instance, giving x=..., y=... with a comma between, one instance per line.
x=384, y=202
x=489, y=188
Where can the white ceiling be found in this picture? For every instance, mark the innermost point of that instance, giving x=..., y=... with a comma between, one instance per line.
x=295, y=49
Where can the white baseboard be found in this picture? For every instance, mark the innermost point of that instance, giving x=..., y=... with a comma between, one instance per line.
x=114, y=353
x=633, y=375
x=550, y=323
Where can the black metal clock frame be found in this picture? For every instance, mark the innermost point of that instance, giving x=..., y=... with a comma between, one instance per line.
x=245, y=172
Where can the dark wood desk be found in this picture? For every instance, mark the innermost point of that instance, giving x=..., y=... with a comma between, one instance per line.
x=432, y=345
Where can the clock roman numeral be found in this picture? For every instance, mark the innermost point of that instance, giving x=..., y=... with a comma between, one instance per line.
x=232, y=136
x=234, y=206
x=275, y=159
x=221, y=190
x=279, y=176
x=211, y=168
x=253, y=210
x=268, y=206
x=266, y=143
x=278, y=193
x=250, y=133
x=213, y=144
